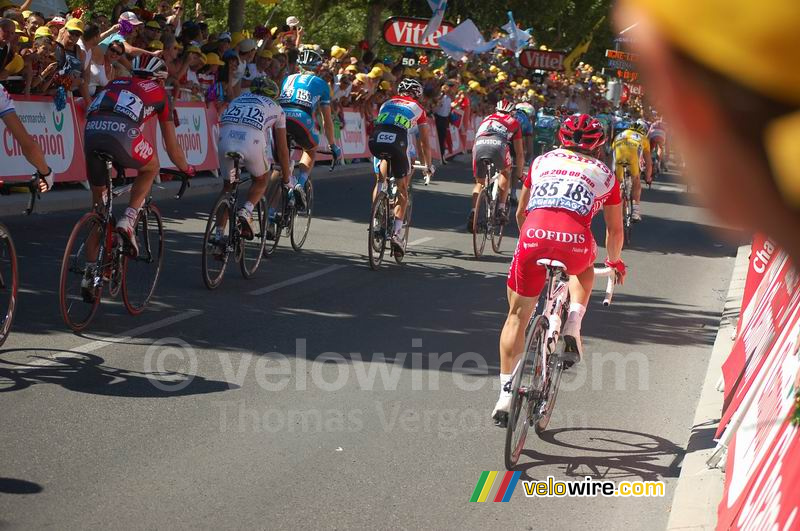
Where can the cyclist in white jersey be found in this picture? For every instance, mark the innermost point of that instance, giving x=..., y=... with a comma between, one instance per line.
x=30, y=149
x=252, y=126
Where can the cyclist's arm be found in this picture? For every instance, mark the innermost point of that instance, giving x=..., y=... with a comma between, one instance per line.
x=524, y=197
x=519, y=155
x=424, y=146
x=648, y=162
x=31, y=150
x=171, y=143
x=282, y=148
x=327, y=122
x=614, y=234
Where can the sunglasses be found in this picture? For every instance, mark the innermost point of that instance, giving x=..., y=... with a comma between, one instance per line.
x=76, y=33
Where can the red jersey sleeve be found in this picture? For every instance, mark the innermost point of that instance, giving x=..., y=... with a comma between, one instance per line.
x=423, y=116
x=517, y=130
x=614, y=197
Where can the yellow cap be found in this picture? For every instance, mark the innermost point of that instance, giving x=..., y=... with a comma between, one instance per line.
x=213, y=59
x=338, y=52
x=264, y=54
x=27, y=13
x=362, y=78
x=353, y=69
x=236, y=38
x=153, y=25
x=16, y=65
x=385, y=85
x=375, y=73
x=155, y=45
x=74, y=24
x=754, y=43
x=193, y=49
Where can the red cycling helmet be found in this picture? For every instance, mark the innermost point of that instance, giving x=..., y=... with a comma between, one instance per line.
x=583, y=132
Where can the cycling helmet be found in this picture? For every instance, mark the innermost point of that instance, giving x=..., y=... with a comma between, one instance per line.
x=525, y=107
x=309, y=59
x=411, y=87
x=148, y=66
x=264, y=86
x=582, y=132
x=505, y=106
x=640, y=126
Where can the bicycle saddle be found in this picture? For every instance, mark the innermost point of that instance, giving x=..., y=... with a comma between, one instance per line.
x=546, y=262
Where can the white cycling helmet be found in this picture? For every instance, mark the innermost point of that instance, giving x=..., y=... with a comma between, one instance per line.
x=505, y=106
x=148, y=66
x=525, y=107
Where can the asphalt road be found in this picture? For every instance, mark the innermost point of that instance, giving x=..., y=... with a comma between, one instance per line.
x=218, y=410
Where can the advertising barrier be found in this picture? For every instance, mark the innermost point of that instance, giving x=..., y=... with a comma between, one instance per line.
x=762, y=374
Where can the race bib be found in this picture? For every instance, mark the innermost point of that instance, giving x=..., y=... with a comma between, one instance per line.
x=130, y=105
x=561, y=193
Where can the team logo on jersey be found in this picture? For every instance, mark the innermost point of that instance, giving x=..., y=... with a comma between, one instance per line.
x=107, y=125
x=562, y=237
x=149, y=86
x=133, y=133
x=386, y=138
x=142, y=150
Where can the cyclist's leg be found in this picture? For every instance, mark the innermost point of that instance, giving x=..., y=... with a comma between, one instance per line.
x=401, y=170
x=143, y=183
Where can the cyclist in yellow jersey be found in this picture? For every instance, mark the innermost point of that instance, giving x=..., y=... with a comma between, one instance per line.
x=632, y=149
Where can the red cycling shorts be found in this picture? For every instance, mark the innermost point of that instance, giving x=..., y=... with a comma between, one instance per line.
x=554, y=234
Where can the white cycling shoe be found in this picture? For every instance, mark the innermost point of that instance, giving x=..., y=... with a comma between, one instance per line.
x=573, y=346
x=126, y=229
x=636, y=215
x=246, y=219
x=501, y=409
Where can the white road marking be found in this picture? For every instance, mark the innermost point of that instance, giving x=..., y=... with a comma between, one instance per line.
x=420, y=241
x=122, y=337
x=296, y=280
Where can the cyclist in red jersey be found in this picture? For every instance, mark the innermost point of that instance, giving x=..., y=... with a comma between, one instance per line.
x=115, y=126
x=563, y=190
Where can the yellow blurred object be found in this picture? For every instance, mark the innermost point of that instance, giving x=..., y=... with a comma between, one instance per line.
x=526, y=82
x=27, y=13
x=236, y=38
x=204, y=58
x=16, y=65
x=514, y=84
x=544, y=48
x=155, y=45
x=18, y=28
x=385, y=85
x=362, y=78
x=352, y=69
x=375, y=73
x=74, y=24
x=338, y=52
x=754, y=43
x=213, y=59
x=780, y=141
x=193, y=49
x=264, y=54
x=493, y=69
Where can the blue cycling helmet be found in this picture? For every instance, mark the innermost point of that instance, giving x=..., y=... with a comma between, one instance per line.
x=309, y=60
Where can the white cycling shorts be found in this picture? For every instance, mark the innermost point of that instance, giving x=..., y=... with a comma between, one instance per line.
x=254, y=146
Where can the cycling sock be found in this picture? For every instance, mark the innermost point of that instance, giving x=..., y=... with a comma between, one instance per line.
x=249, y=207
x=576, y=313
x=398, y=226
x=132, y=214
x=504, y=379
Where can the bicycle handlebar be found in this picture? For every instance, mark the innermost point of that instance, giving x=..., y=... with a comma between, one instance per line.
x=31, y=184
x=184, y=178
x=612, y=275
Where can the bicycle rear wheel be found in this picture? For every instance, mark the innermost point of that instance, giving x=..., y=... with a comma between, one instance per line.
x=140, y=273
x=217, y=242
x=301, y=219
x=9, y=282
x=253, y=250
x=79, y=303
x=480, y=223
x=379, y=230
x=277, y=205
x=627, y=216
x=526, y=387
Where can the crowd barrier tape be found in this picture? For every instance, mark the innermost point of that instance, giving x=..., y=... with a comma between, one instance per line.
x=60, y=134
x=762, y=473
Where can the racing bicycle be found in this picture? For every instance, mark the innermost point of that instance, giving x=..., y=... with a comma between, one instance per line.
x=534, y=385
x=9, y=268
x=96, y=257
x=486, y=223
x=226, y=236
x=627, y=203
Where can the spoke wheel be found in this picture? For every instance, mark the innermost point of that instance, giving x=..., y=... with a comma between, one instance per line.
x=526, y=386
x=252, y=251
x=398, y=257
x=217, y=245
x=301, y=219
x=480, y=223
x=140, y=273
x=378, y=230
x=79, y=306
x=277, y=205
x=9, y=282
x=497, y=232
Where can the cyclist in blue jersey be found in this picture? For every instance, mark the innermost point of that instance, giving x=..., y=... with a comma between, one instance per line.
x=523, y=113
x=303, y=95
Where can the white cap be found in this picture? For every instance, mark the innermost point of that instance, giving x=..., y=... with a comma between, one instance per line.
x=131, y=17
x=224, y=36
x=292, y=21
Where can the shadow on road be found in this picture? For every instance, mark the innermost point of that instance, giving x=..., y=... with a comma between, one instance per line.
x=19, y=486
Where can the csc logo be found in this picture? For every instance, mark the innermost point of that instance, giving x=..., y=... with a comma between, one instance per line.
x=386, y=138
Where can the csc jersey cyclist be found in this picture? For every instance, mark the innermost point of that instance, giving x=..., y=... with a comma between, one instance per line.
x=246, y=128
x=301, y=95
x=567, y=190
x=390, y=137
x=114, y=124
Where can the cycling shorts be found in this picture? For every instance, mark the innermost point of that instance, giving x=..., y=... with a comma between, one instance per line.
x=492, y=148
x=254, y=146
x=657, y=137
x=119, y=137
x=626, y=156
x=300, y=126
x=390, y=142
x=553, y=234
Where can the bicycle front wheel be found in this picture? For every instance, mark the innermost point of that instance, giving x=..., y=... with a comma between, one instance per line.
x=140, y=273
x=406, y=228
x=253, y=250
x=379, y=230
x=80, y=285
x=480, y=223
x=526, y=386
x=9, y=282
x=217, y=242
x=301, y=219
x=497, y=231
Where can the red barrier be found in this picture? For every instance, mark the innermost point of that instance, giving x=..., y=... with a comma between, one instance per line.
x=762, y=482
